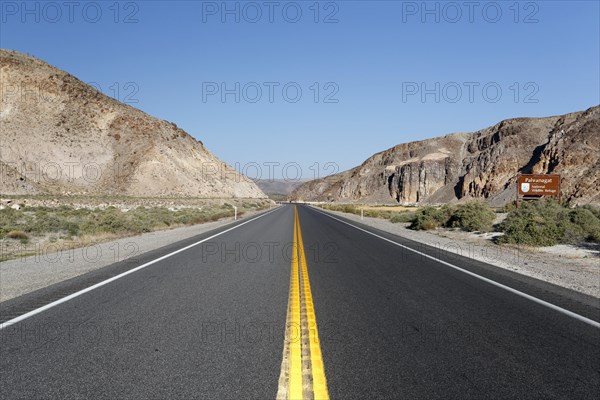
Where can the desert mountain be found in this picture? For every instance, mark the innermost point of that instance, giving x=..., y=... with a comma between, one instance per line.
x=61, y=136
x=482, y=164
x=277, y=186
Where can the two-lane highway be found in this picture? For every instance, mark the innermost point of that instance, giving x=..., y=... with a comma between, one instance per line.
x=296, y=303
x=405, y=326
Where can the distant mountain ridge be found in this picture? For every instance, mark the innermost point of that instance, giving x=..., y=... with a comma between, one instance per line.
x=61, y=136
x=277, y=186
x=477, y=165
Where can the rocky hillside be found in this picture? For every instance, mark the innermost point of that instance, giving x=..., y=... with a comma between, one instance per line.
x=482, y=164
x=60, y=136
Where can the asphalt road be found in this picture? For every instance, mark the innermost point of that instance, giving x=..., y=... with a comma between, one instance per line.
x=209, y=322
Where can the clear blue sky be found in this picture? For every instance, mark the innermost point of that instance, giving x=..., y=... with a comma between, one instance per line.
x=375, y=57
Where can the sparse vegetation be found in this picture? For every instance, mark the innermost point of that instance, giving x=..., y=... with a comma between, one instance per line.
x=372, y=211
x=52, y=224
x=68, y=221
x=536, y=223
x=402, y=217
x=473, y=216
x=347, y=208
x=547, y=223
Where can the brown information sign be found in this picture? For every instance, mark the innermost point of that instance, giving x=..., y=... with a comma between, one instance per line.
x=538, y=185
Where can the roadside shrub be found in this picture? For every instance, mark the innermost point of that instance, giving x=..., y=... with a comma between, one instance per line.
x=385, y=214
x=187, y=217
x=66, y=221
x=17, y=235
x=424, y=223
x=472, y=216
x=369, y=213
x=112, y=221
x=583, y=225
x=403, y=217
x=350, y=209
x=593, y=210
x=534, y=223
x=508, y=207
x=547, y=223
x=428, y=218
x=595, y=237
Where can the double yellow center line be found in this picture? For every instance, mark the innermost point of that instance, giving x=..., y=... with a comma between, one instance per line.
x=302, y=371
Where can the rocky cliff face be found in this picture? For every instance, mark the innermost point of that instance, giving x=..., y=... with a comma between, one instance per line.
x=482, y=164
x=60, y=136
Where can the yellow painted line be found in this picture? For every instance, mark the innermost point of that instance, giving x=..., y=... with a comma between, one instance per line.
x=302, y=371
x=295, y=372
x=320, y=390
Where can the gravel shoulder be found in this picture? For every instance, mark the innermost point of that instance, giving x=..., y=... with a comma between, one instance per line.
x=572, y=267
x=27, y=274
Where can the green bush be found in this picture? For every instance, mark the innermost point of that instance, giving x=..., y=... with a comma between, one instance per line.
x=508, y=207
x=472, y=216
x=350, y=209
x=595, y=237
x=547, y=223
x=584, y=225
x=376, y=213
x=428, y=218
x=402, y=217
x=534, y=223
x=593, y=210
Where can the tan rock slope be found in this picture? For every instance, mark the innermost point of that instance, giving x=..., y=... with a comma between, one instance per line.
x=61, y=136
x=482, y=164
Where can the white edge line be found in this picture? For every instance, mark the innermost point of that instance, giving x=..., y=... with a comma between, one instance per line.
x=114, y=278
x=492, y=282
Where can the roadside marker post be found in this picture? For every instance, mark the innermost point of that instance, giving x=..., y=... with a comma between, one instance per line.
x=234, y=213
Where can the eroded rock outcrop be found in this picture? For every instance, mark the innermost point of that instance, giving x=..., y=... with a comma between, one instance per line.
x=482, y=164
